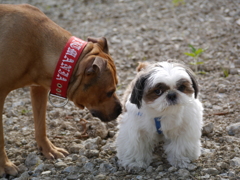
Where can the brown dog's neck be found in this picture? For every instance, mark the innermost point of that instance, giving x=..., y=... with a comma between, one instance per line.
x=77, y=75
x=50, y=59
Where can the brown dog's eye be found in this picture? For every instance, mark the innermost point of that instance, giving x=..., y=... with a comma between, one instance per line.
x=109, y=94
x=181, y=88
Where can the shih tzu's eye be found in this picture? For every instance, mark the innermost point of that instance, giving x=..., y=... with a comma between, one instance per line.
x=158, y=92
x=181, y=88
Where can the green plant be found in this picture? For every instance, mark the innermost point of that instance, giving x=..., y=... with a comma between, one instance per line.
x=225, y=72
x=178, y=2
x=25, y=111
x=195, y=53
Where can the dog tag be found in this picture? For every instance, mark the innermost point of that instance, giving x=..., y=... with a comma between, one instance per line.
x=51, y=96
x=158, y=124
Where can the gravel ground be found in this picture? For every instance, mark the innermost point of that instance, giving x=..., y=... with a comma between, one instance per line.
x=144, y=30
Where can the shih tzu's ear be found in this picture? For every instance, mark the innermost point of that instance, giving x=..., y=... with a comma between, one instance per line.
x=138, y=89
x=194, y=81
x=141, y=66
x=192, y=76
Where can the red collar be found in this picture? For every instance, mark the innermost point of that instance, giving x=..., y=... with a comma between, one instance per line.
x=65, y=66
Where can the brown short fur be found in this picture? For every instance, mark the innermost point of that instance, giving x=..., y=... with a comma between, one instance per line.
x=29, y=50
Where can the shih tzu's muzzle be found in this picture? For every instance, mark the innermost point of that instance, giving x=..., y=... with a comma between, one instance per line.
x=172, y=97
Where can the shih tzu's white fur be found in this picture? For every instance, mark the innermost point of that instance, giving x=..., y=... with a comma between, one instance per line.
x=168, y=91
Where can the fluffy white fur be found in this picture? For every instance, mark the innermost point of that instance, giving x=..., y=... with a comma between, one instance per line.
x=181, y=123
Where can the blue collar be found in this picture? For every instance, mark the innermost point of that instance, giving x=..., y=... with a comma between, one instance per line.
x=158, y=124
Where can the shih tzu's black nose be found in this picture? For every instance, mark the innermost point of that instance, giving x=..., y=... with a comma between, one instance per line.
x=172, y=96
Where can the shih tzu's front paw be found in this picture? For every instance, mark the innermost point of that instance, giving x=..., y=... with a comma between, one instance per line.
x=181, y=162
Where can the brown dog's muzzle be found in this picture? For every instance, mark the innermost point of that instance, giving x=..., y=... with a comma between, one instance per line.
x=106, y=118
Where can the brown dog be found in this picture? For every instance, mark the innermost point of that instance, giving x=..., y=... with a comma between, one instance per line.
x=29, y=50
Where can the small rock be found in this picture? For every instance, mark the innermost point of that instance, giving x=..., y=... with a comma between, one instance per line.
x=19, y=103
x=75, y=148
x=49, y=167
x=120, y=173
x=231, y=139
x=22, y=168
x=54, y=114
x=105, y=168
x=24, y=142
x=74, y=157
x=211, y=171
x=60, y=164
x=207, y=176
x=159, y=168
x=139, y=177
x=39, y=168
x=238, y=118
x=89, y=166
x=191, y=167
x=71, y=169
x=32, y=160
x=233, y=71
x=23, y=176
x=100, y=177
x=236, y=149
x=135, y=170
x=149, y=169
x=183, y=173
x=237, y=62
x=115, y=40
x=231, y=174
x=207, y=129
x=222, y=88
x=207, y=152
x=72, y=177
x=217, y=108
x=172, y=169
x=224, y=175
x=111, y=133
x=67, y=126
x=208, y=105
x=161, y=174
x=223, y=165
x=235, y=162
x=92, y=153
x=98, y=128
x=46, y=173
x=109, y=148
x=92, y=143
x=82, y=160
x=233, y=129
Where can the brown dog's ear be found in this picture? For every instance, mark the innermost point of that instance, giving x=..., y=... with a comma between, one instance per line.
x=141, y=66
x=98, y=65
x=101, y=41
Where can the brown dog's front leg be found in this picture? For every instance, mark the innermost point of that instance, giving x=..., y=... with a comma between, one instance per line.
x=39, y=104
x=6, y=166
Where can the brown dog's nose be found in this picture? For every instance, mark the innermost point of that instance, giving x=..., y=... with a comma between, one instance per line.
x=116, y=112
x=100, y=115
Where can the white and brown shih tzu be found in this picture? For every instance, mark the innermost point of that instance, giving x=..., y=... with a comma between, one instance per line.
x=160, y=104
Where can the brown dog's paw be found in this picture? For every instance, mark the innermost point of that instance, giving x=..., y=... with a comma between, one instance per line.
x=8, y=168
x=50, y=151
